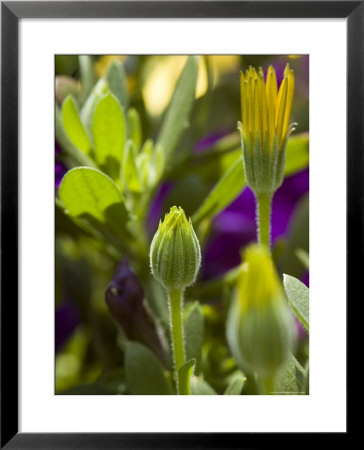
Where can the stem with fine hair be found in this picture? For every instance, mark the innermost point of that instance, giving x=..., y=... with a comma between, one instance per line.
x=175, y=298
x=264, y=204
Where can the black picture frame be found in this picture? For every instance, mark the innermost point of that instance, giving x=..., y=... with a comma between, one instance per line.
x=11, y=12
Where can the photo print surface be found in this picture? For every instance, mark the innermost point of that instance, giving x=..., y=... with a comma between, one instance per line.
x=182, y=224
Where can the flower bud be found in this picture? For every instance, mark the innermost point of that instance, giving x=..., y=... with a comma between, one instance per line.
x=265, y=127
x=125, y=300
x=175, y=255
x=260, y=327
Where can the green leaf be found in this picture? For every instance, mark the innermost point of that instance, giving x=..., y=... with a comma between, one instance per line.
x=200, y=387
x=77, y=156
x=73, y=126
x=184, y=375
x=108, y=129
x=114, y=381
x=180, y=107
x=298, y=297
x=87, y=73
x=130, y=172
x=143, y=372
x=92, y=197
x=146, y=169
x=298, y=238
x=159, y=161
x=302, y=255
x=297, y=153
x=116, y=79
x=291, y=379
x=236, y=386
x=213, y=163
x=194, y=329
x=134, y=128
x=100, y=89
x=223, y=193
x=233, y=181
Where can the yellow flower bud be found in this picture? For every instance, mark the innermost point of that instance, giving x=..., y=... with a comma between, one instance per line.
x=265, y=127
x=260, y=327
x=175, y=255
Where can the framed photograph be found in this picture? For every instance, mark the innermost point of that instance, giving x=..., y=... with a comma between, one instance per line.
x=181, y=211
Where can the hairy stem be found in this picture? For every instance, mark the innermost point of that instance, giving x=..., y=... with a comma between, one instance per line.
x=175, y=298
x=263, y=215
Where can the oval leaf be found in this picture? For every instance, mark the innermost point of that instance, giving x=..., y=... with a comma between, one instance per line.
x=236, y=386
x=73, y=126
x=291, y=379
x=134, y=127
x=297, y=153
x=194, y=329
x=130, y=172
x=200, y=387
x=108, y=129
x=116, y=79
x=143, y=372
x=90, y=195
x=180, y=107
x=77, y=155
x=298, y=297
x=87, y=73
x=99, y=90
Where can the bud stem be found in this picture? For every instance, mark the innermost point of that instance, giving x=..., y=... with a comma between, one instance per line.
x=267, y=386
x=263, y=215
x=175, y=298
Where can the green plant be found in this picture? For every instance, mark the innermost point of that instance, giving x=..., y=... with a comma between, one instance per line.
x=118, y=158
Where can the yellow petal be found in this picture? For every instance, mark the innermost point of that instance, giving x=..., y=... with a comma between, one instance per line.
x=242, y=95
x=271, y=89
x=257, y=122
x=290, y=92
x=245, y=106
x=263, y=106
x=281, y=106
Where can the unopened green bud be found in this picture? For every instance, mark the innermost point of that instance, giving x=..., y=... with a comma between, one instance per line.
x=175, y=255
x=260, y=327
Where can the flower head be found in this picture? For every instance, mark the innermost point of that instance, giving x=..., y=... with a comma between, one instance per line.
x=175, y=255
x=265, y=127
x=260, y=327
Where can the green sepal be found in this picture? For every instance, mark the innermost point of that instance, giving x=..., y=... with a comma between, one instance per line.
x=263, y=165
